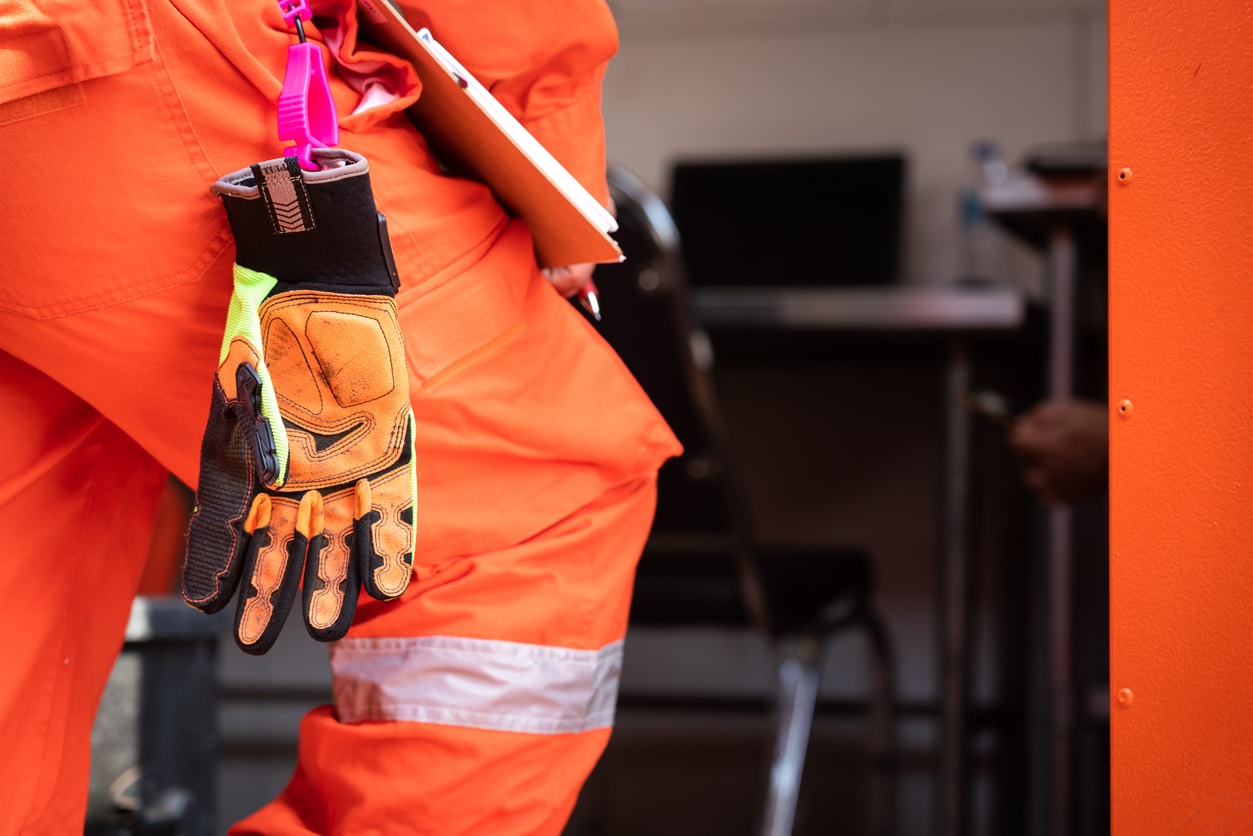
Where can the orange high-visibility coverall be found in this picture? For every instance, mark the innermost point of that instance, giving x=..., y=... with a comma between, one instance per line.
x=479, y=702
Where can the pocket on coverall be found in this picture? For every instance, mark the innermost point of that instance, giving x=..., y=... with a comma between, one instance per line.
x=106, y=185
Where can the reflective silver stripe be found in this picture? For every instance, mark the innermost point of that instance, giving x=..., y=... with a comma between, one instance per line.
x=478, y=683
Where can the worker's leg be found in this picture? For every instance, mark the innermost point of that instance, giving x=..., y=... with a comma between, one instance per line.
x=76, y=501
x=120, y=295
x=481, y=704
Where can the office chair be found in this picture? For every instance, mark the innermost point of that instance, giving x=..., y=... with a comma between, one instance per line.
x=703, y=564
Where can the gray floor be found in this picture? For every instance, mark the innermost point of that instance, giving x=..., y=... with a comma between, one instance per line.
x=666, y=771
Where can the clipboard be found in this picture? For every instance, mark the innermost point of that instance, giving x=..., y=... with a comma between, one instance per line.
x=476, y=136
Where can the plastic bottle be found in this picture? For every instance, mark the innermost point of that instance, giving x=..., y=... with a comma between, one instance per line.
x=983, y=245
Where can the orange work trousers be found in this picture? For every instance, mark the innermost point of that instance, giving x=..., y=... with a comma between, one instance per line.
x=479, y=702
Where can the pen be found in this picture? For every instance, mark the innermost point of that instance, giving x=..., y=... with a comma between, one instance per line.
x=991, y=405
x=589, y=298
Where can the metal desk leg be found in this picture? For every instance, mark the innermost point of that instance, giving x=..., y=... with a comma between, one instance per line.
x=953, y=587
x=1062, y=268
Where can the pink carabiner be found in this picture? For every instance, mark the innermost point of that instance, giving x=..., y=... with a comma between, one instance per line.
x=306, y=110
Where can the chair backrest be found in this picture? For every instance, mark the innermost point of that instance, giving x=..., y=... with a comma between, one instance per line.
x=702, y=505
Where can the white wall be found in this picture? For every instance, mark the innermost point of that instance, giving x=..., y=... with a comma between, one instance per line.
x=700, y=78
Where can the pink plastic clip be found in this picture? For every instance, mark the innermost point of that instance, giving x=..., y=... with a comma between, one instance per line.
x=293, y=10
x=306, y=111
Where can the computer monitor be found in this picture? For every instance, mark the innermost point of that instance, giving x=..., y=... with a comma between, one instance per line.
x=830, y=221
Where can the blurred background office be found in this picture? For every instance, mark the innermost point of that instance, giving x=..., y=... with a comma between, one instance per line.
x=841, y=434
x=862, y=414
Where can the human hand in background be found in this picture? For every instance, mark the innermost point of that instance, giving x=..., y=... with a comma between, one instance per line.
x=1064, y=445
x=569, y=279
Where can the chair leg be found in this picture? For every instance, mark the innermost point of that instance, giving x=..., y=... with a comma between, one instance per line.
x=797, y=697
x=883, y=728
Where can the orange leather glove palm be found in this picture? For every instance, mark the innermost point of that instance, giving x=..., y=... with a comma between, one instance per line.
x=307, y=465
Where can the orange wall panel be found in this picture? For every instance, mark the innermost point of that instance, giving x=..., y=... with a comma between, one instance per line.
x=1181, y=365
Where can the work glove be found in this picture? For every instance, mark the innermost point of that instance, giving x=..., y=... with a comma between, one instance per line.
x=307, y=464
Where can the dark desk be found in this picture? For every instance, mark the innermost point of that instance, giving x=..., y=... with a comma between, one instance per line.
x=957, y=313
x=897, y=308
x=1059, y=217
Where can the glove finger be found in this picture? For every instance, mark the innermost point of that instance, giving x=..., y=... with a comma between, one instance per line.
x=216, y=538
x=276, y=554
x=383, y=530
x=332, y=582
